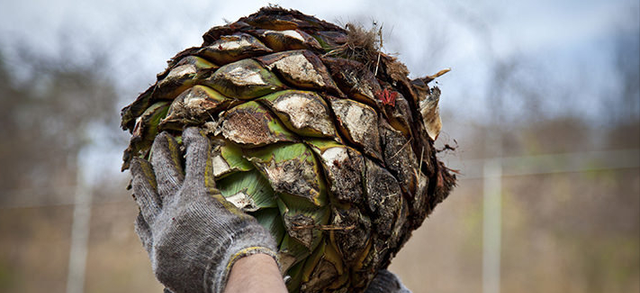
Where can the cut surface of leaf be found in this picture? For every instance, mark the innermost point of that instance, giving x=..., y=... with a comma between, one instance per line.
x=303, y=112
x=244, y=79
x=254, y=125
x=250, y=183
x=291, y=169
x=359, y=123
x=232, y=48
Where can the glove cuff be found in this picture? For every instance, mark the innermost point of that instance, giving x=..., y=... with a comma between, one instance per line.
x=256, y=240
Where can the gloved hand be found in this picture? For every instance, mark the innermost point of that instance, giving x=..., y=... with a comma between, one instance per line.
x=192, y=234
x=386, y=282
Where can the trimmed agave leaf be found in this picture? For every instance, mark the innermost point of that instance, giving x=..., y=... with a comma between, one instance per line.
x=360, y=271
x=175, y=80
x=431, y=114
x=292, y=170
x=251, y=189
x=301, y=68
x=292, y=252
x=417, y=201
x=227, y=158
x=343, y=167
x=304, y=225
x=182, y=76
x=359, y=123
x=399, y=233
x=355, y=79
x=330, y=40
x=371, y=260
x=399, y=157
x=216, y=32
x=244, y=79
x=198, y=62
x=332, y=256
x=293, y=270
x=304, y=231
x=288, y=40
x=311, y=262
x=351, y=232
x=303, y=112
x=323, y=269
x=271, y=219
x=289, y=21
x=325, y=272
x=382, y=194
x=277, y=24
x=194, y=106
x=145, y=130
x=232, y=48
x=400, y=116
x=135, y=109
x=251, y=124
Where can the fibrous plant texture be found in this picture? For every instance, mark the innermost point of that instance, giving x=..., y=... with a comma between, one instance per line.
x=314, y=131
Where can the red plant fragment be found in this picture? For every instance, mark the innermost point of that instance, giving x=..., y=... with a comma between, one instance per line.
x=387, y=97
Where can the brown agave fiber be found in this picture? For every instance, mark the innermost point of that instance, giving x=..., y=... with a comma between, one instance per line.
x=327, y=134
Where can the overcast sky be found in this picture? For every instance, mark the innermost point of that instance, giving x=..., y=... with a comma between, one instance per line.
x=561, y=45
x=428, y=35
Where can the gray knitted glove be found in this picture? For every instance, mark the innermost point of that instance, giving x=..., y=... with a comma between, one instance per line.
x=386, y=282
x=192, y=234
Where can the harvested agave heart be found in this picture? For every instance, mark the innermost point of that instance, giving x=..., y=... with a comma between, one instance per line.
x=315, y=132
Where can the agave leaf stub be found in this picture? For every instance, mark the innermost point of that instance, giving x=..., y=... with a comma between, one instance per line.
x=244, y=79
x=399, y=157
x=272, y=220
x=351, y=232
x=400, y=116
x=249, y=189
x=170, y=84
x=398, y=236
x=304, y=113
x=253, y=125
x=288, y=40
x=303, y=231
x=417, y=202
x=183, y=75
x=359, y=123
x=227, y=158
x=232, y=48
x=292, y=253
x=194, y=106
x=319, y=271
x=144, y=131
x=343, y=167
x=243, y=202
x=431, y=113
x=300, y=68
x=354, y=79
x=292, y=170
x=330, y=40
x=383, y=197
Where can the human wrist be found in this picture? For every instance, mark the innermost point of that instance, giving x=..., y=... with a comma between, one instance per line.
x=246, y=242
x=253, y=273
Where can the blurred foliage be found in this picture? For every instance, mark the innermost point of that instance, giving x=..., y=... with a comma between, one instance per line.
x=46, y=116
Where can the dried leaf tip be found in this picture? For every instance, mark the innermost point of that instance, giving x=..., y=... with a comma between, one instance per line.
x=430, y=78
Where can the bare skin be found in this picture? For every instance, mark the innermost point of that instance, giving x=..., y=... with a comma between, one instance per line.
x=255, y=273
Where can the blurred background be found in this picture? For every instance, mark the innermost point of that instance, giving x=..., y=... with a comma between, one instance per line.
x=542, y=107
